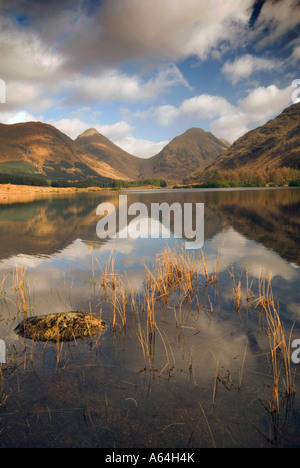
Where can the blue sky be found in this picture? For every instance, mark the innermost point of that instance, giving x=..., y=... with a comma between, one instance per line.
x=143, y=71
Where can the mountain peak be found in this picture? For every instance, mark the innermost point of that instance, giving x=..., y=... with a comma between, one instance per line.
x=193, y=148
x=88, y=133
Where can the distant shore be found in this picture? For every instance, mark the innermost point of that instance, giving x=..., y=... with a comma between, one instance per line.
x=11, y=193
x=6, y=189
x=14, y=193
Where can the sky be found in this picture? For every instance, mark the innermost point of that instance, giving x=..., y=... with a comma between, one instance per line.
x=144, y=71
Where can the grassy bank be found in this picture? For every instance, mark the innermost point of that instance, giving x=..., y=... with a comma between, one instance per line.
x=34, y=181
x=279, y=177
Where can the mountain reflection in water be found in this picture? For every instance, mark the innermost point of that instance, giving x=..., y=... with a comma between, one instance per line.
x=47, y=226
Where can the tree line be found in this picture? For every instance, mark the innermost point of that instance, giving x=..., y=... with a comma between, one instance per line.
x=252, y=177
x=60, y=183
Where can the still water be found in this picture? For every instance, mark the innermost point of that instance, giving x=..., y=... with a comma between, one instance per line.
x=202, y=376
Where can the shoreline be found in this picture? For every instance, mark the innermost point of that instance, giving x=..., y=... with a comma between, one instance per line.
x=11, y=193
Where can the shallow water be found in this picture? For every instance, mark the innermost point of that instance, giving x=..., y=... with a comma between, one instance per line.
x=203, y=378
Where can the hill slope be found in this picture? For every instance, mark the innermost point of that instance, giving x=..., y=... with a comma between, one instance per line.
x=36, y=148
x=193, y=149
x=273, y=145
x=106, y=151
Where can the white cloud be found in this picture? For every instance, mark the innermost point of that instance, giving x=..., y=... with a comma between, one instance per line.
x=264, y=102
x=71, y=127
x=75, y=126
x=10, y=117
x=114, y=85
x=143, y=30
x=277, y=19
x=296, y=53
x=227, y=121
x=166, y=114
x=206, y=106
x=245, y=66
x=115, y=131
x=29, y=95
x=140, y=147
x=230, y=127
x=24, y=54
x=120, y=133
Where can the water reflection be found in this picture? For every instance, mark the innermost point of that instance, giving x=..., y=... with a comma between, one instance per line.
x=44, y=227
x=56, y=241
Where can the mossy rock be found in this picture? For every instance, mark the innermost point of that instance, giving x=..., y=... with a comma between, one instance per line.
x=67, y=326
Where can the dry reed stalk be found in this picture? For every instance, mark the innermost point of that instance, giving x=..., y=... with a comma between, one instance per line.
x=20, y=285
x=149, y=307
x=115, y=292
x=279, y=346
x=168, y=364
x=146, y=345
x=2, y=289
x=213, y=279
x=174, y=271
x=237, y=302
x=119, y=301
x=242, y=370
x=3, y=396
x=205, y=268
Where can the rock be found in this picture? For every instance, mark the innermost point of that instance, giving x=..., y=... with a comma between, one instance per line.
x=67, y=326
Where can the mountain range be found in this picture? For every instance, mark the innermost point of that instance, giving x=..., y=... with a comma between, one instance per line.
x=35, y=148
x=39, y=149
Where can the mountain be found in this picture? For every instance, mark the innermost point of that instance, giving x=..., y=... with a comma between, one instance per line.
x=36, y=148
x=193, y=149
x=106, y=151
x=273, y=145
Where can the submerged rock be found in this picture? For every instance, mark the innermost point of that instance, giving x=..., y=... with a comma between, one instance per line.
x=67, y=326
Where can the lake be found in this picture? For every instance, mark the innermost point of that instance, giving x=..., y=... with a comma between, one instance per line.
x=187, y=358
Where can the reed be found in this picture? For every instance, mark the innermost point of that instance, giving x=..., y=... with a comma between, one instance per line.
x=3, y=395
x=279, y=343
x=214, y=277
x=2, y=290
x=115, y=292
x=22, y=289
x=237, y=297
x=280, y=357
x=174, y=271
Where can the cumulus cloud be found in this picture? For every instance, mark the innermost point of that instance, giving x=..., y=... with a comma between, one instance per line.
x=245, y=66
x=168, y=30
x=114, y=85
x=255, y=109
x=120, y=133
x=24, y=55
x=227, y=121
x=276, y=19
x=12, y=117
x=75, y=126
x=296, y=53
x=105, y=35
x=206, y=106
x=263, y=102
x=29, y=95
x=139, y=146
